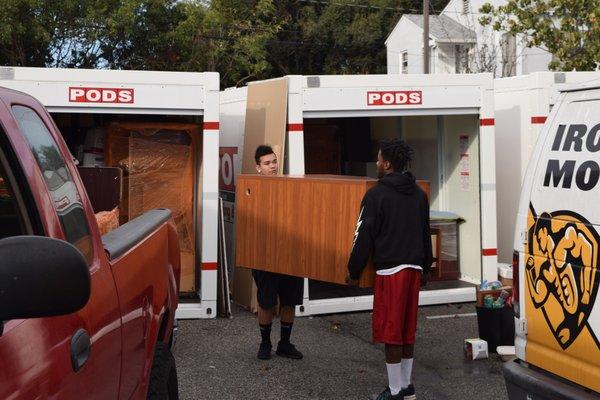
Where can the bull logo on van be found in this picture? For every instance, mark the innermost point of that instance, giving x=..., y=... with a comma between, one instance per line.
x=560, y=271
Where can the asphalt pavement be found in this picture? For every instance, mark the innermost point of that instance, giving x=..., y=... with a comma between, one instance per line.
x=216, y=359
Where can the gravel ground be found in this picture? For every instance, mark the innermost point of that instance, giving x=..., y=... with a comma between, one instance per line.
x=216, y=359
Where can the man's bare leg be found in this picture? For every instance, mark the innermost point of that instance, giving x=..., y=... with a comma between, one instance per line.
x=393, y=353
x=265, y=320
x=265, y=315
x=285, y=348
x=287, y=314
x=408, y=351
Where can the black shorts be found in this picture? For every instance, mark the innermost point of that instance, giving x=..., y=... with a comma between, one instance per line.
x=270, y=285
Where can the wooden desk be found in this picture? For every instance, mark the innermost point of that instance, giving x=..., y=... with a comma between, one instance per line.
x=299, y=225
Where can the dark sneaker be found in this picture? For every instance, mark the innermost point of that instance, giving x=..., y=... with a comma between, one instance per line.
x=387, y=395
x=288, y=350
x=264, y=351
x=408, y=393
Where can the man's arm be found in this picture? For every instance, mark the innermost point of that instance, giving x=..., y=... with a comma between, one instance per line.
x=427, y=252
x=364, y=237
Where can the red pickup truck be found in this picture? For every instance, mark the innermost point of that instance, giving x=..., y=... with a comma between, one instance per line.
x=81, y=315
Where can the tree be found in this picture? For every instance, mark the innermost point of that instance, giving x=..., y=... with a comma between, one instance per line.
x=152, y=35
x=120, y=34
x=354, y=36
x=49, y=33
x=338, y=36
x=243, y=40
x=237, y=33
x=568, y=29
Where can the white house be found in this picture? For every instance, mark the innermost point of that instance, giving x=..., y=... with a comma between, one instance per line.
x=458, y=43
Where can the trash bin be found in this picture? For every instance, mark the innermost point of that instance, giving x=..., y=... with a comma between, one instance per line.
x=444, y=226
x=496, y=326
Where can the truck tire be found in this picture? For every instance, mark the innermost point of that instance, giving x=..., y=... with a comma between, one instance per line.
x=163, y=376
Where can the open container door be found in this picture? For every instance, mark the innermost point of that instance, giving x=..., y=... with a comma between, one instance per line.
x=159, y=123
x=265, y=123
x=334, y=125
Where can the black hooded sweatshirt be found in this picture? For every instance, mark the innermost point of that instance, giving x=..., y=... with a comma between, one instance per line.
x=394, y=224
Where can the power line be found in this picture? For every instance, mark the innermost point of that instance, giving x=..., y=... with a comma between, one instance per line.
x=364, y=6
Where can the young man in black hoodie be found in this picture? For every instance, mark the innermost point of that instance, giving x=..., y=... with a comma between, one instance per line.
x=393, y=226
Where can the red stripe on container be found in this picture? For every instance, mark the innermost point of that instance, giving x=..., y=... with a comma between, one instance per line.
x=538, y=120
x=487, y=122
x=489, y=252
x=295, y=127
x=211, y=126
x=209, y=266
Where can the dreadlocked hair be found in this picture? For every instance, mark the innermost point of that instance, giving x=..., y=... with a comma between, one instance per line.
x=397, y=153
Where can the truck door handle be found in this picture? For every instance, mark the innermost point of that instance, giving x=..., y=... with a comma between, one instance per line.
x=80, y=349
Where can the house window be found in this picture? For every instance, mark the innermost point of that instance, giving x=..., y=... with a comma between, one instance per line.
x=460, y=59
x=404, y=62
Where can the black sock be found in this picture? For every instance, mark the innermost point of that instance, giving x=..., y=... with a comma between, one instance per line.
x=265, y=333
x=286, y=331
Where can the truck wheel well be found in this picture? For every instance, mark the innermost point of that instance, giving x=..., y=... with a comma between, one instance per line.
x=162, y=331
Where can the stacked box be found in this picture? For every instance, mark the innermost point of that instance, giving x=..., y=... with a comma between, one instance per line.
x=159, y=171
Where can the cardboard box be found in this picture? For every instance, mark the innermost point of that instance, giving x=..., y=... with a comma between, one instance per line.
x=107, y=220
x=505, y=274
x=494, y=293
x=475, y=349
x=244, y=289
x=158, y=161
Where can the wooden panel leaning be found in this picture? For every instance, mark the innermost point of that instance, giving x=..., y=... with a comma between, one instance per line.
x=299, y=225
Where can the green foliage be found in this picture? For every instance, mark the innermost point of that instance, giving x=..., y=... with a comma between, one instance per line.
x=568, y=29
x=238, y=33
x=38, y=32
x=126, y=34
x=150, y=34
x=338, y=37
x=242, y=39
x=348, y=39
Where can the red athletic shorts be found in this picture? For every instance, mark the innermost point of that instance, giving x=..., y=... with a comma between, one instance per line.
x=395, y=305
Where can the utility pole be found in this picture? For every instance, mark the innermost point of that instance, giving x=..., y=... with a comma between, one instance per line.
x=425, y=36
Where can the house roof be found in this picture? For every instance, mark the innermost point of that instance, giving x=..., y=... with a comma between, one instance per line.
x=441, y=28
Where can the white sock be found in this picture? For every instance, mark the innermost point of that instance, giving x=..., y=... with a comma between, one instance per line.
x=406, y=372
x=394, y=377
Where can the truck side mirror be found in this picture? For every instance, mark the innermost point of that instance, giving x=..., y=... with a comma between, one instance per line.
x=41, y=277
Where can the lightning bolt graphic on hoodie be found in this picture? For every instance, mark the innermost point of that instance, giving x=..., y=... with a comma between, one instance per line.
x=358, y=225
x=363, y=238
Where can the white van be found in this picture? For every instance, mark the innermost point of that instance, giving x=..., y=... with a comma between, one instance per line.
x=557, y=243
